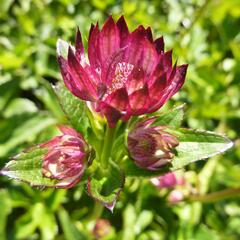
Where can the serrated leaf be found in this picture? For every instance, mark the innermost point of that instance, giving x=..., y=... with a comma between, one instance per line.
x=27, y=167
x=196, y=145
x=74, y=108
x=107, y=189
x=171, y=118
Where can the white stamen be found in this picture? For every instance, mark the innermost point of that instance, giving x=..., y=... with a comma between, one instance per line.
x=159, y=153
x=53, y=168
x=122, y=71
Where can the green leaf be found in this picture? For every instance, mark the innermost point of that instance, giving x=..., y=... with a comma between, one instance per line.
x=171, y=118
x=69, y=229
x=47, y=95
x=144, y=219
x=44, y=220
x=8, y=88
x=20, y=106
x=107, y=189
x=196, y=145
x=22, y=128
x=129, y=222
x=27, y=167
x=6, y=204
x=74, y=108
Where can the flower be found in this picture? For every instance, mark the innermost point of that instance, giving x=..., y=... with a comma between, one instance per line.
x=175, y=196
x=66, y=158
x=128, y=73
x=102, y=228
x=168, y=180
x=151, y=146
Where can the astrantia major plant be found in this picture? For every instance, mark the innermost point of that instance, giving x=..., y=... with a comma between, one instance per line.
x=111, y=96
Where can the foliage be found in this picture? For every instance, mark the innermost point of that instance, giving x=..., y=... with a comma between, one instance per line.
x=204, y=34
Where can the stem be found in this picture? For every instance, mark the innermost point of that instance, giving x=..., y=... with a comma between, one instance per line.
x=96, y=126
x=216, y=196
x=107, y=146
x=96, y=212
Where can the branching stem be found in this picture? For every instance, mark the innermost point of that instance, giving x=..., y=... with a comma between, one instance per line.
x=216, y=196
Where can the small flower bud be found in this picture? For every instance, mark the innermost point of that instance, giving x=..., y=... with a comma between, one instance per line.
x=102, y=228
x=66, y=158
x=175, y=196
x=151, y=146
x=168, y=180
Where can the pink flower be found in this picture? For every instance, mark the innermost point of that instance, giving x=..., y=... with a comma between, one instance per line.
x=175, y=196
x=168, y=180
x=66, y=158
x=149, y=146
x=102, y=228
x=128, y=73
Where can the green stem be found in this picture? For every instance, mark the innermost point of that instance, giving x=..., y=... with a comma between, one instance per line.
x=107, y=146
x=216, y=196
x=96, y=212
x=95, y=124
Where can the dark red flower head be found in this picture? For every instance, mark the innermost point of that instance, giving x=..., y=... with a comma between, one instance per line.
x=150, y=147
x=128, y=73
x=66, y=158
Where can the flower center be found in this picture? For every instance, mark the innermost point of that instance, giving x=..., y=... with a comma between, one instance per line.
x=122, y=71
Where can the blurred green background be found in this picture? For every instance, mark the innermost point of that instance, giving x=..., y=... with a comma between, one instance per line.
x=203, y=33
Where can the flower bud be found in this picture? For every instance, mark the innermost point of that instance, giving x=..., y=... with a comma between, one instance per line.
x=149, y=146
x=175, y=196
x=66, y=158
x=168, y=180
x=102, y=228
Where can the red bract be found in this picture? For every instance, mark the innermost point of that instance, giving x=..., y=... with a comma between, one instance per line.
x=128, y=73
x=66, y=158
x=149, y=146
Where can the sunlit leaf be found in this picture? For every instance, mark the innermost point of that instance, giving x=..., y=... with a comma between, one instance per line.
x=27, y=167
x=196, y=145
x=74, y=108
x=171, y=118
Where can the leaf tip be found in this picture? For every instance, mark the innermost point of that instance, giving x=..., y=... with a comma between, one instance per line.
x=110, y=206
